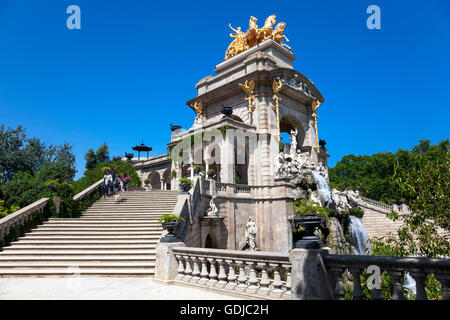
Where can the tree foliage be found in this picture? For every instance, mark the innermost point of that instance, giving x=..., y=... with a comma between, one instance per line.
x=426, y=185
x=373, y=175
x=26, y=165
x=93, y=158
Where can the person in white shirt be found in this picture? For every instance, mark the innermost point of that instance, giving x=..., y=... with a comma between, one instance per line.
x=107, y=181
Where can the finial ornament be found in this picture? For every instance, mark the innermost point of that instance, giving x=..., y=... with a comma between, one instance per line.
x=253, y=36
x=248, y=88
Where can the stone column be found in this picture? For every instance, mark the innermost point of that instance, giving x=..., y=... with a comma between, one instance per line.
x=308, y=277
x=227, y=159
x=166, y=266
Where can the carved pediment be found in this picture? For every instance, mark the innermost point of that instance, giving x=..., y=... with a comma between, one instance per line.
x=298, y=82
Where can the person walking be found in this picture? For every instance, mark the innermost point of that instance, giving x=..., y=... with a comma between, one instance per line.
x=118, y=186
x=113, y=178
x=125, y=180
x=107, y=182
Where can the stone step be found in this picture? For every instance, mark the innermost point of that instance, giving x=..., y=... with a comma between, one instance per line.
x=90, y=228
x=101, y=225
x=119, y=234
x=56, y=247
x=76, y=257
x=56, y=271
x=94, y=222
x=93, y=264
x=37, y=237
x=84, y=242
x=76, y=252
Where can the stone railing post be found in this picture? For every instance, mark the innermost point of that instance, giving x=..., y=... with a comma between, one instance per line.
x=222, y=275
x=264, y=289
x=419, y=277
x=242, y=279
x=167, y=268
x=253, y=280
x=196, y=271
x=204, y=273
x=187, y=268
x=231, y=285
x=309, y=278
x=397, y=292
x=277, y=284
x=212, y=273
x=357, y=290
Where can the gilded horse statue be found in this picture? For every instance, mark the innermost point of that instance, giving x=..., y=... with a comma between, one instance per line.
x=253, y=36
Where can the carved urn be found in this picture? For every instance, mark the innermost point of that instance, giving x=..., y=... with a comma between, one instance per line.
x=170, y=227
x=185, y=187
x=303, y=231
x=227, y=111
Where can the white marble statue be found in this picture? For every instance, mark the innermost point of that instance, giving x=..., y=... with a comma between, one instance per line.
x=293, y=139
x=212, y=211
x=250, y=234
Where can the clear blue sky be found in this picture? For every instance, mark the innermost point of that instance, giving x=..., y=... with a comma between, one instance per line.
x=129, y=71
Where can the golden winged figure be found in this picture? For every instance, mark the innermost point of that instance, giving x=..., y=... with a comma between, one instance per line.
x=248, y=88
x=198, y=107
x=276, y=87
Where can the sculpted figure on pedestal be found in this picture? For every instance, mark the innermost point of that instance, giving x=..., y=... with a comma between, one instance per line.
x=250, y=234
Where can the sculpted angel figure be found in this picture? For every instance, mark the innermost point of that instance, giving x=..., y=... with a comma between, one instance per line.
x=239, y=43
x=198, y=107
x=278, y=36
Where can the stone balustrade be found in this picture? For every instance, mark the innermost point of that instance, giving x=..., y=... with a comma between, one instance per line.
x=418, y=268
x=88, y=190
x=20, y=217
x=253, y=273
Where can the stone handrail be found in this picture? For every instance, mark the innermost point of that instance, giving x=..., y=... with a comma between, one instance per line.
x=88, y=190
x=378, y=204
x=418, y=268
x=237, y=272
x=236, y=188
x=20, y=217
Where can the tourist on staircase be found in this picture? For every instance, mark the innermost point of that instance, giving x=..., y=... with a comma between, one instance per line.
x=125, y=180
x=113, y=175
x=118, y=186
x=107, y=182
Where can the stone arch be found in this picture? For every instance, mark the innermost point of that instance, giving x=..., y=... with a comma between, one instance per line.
x=210, y=241
x=237, y=118
x=155, y=180
x=166, y=178
x=290, y=122
x=186, y=171
x=241, y=111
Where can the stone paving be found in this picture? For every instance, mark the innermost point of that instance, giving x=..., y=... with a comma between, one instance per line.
x=98, y=288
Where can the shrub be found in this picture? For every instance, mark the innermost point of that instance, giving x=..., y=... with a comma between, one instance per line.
x=187, y=180
x=173, y=174
x=304, y=207
x=166, y=218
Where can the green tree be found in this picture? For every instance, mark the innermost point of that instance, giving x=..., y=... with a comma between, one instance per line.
x=425, y=184
x=93, y=158
x=19, y=153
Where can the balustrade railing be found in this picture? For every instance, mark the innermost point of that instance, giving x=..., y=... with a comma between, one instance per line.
x=378, y=204
x=264, y=274
x=418, y=268
x=221, y=187
x=20, y=217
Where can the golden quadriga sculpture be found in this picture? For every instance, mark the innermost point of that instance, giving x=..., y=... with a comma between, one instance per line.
x=243, y=41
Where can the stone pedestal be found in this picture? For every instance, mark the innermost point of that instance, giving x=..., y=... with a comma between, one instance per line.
x=166, y=265
x=309, y=279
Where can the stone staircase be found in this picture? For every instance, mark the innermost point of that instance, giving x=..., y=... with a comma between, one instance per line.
x=108, y=239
